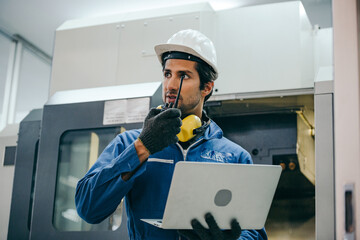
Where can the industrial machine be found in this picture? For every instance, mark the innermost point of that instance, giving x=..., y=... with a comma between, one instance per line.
x=268, y=99
x=76, y=126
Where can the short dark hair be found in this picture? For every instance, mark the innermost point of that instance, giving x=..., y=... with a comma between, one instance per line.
x=206, y=74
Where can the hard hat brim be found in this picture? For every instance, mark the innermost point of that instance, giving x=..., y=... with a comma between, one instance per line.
x=163, y=48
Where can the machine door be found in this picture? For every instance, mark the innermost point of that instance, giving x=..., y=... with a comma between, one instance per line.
x=72, y=138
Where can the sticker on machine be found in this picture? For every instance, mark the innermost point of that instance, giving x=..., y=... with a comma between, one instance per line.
x=126, y=111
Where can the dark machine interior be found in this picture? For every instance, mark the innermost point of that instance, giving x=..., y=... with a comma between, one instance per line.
x=270, y=136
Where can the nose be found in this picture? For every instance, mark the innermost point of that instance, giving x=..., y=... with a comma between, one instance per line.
x=172, y=84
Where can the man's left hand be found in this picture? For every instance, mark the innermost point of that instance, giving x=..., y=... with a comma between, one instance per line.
x=199, y=232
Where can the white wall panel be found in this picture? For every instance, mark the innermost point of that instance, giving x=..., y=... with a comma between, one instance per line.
x=7, y=49
x=137, y=59
x=85, y=57
x=260, y=48
x=119, y=49
x=346, y=112
x=33, y=85
x=323, y=49
x=264, y=48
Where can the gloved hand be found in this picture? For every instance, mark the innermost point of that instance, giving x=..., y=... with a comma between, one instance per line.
x=213, y=233
x=160, y=129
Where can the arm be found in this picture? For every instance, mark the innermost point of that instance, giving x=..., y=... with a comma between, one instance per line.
x=159, y=131
x=142, y=154
x=100, y=191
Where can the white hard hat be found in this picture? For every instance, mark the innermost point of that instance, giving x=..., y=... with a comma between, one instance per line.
x=192, y=42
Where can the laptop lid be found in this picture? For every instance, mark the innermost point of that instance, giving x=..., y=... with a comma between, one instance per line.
x=228, y=191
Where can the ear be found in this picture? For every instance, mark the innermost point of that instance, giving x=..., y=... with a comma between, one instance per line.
x=207, y=88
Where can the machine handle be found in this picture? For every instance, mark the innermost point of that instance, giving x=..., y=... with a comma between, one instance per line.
x=349, y=212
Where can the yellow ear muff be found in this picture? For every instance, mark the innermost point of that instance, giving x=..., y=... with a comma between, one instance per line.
x=189, y=123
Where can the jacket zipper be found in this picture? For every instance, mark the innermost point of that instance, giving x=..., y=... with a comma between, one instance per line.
x=184, y=152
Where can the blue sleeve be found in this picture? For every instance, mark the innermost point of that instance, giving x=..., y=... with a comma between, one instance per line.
x=245, y=157
x=253, y=235
x=100, y=191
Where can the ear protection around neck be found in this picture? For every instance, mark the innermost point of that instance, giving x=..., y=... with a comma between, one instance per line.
x=191, y=125
x=188, y=127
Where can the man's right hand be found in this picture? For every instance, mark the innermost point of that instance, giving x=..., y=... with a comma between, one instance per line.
x=160, y=129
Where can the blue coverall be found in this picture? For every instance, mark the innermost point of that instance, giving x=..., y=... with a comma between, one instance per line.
x=100, y=191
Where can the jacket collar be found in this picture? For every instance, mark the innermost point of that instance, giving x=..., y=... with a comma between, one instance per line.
x=213, y=131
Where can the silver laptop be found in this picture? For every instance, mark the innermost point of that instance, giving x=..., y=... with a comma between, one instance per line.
x=228, y=191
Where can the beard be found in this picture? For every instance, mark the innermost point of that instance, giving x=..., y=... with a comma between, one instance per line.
x=188, y=105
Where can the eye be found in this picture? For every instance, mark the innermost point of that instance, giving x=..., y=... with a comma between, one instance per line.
x=186, y=76
x=167, y=74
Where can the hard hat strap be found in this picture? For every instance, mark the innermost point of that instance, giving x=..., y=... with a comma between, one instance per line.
x=181, y=55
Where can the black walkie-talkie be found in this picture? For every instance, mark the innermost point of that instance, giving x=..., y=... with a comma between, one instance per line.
x=189, y=124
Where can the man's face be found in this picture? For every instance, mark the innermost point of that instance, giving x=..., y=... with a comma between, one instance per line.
x=191, y=98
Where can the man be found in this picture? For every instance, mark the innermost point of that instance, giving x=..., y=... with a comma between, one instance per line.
x=138, y=164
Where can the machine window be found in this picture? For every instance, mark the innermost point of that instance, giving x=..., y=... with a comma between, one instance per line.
x=78, y=151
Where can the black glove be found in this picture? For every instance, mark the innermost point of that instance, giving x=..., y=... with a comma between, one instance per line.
x=160, y=129
x=213, y=233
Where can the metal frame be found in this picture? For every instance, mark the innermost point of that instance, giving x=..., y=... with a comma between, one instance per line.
x=25, y=164
x=324, y=164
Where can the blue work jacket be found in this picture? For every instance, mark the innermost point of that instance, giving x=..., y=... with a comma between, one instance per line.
x=100, y=191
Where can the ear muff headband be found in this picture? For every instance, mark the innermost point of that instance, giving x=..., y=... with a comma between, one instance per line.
x=201, y=129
